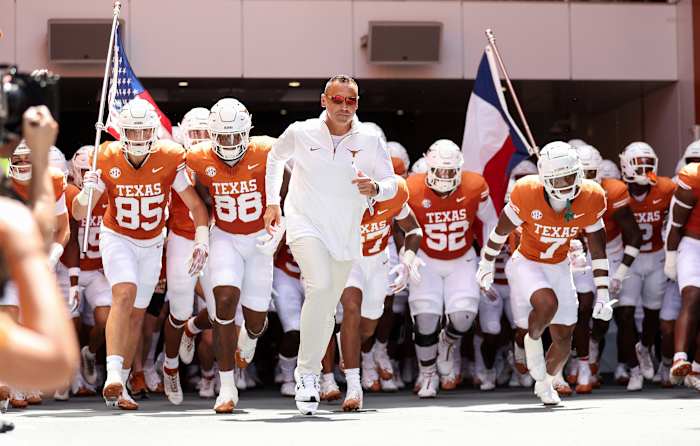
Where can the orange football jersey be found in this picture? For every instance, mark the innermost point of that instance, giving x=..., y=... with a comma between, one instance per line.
x=138, y=197
x=447, y=221
x=376, y=228
x=689, y=178
x=284, y=260
x=617, y=197
x=90, y=260
x=650, y=213
x=238, y=191
x=179, y=218
x=58, y=181
x=546, y=234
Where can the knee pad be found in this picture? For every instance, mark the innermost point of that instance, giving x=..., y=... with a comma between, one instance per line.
x=459, y=323
x=426, y=329
x=252, y=335
x=171, y=321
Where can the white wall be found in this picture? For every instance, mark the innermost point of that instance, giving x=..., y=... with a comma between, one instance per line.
x=312, y=38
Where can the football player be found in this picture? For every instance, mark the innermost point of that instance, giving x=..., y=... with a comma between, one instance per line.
x=551, y=210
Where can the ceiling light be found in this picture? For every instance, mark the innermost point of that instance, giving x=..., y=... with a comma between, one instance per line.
x=294, y=84
x=183, y=84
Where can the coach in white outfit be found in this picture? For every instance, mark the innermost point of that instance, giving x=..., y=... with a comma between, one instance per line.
x=323, y=211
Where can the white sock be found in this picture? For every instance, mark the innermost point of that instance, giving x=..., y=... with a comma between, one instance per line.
x=680, y=356
x=328, y=376
x=367, y=358
x=171, y=363
x=125, y=375
x=352, y=376
x=114, y=367
x=192, y=327
x=227, y=381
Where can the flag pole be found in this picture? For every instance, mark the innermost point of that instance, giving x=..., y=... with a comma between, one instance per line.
x=534, y=149
x=99, y=125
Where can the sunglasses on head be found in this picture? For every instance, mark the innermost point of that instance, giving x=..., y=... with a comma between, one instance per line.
x=339, y=99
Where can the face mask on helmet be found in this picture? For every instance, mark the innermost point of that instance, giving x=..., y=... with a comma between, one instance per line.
x=194, y=137
x=138, y=123
x=195, y=126
x=444, y=160
x=560, y=171
x=230, y=146
x=590, y=161
x=20, y=164
x=443, y=180
x=639, y=164
x=80, y=163
x=229, y=129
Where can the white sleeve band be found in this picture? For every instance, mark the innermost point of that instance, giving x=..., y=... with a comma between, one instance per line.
x=201, y=235
x=512, y=215
x=73, y=271
x=404, y=212
x=631, y=251
x=416, y=231
x=600, y=264
x=602, y=281
x=674, y=200
x=181, y=181
x=603, y=294
x=61, y=205
x=597, y=226
x=490, y=251
x=676, y=225
x=498, y=238
x=621, y=272
x=83, y=197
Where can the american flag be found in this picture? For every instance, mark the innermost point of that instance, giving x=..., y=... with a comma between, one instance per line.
x=125, y=86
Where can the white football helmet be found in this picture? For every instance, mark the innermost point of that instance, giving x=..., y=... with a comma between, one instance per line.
x=692, y=152
x=590, y=161
x=523, y=168
x=229, y=129
x=608, y=169
x=377, y=129
x=79, y=163
x=21, y=163
x=577, y=142
x=560, y=170
x=420, y=166
x=444, y=160
x=396, y=150
x=195, y=126
x=639, y=163
x=58, y=160
x=138, y=124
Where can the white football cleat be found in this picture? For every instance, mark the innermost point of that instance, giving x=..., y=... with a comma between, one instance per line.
x=369, y=374
x=389, y=385
x=429, y=382
x=246, y=348
x=488, y=380
x=546, y=393
x=153, y=380
x=187, y=346
x=646, y=365
x=382, y=361
x=206, y=387
x=622, y=376
x=328, y=388
x=307, y=392
x=61, y=395
x=446, y=351
x=126, y=402
x=692, y=381
x=636, y=381
x=226, y=401
x=239, y=377
x=87, y=366
x=171, y=386
x=113, y=389
x=353, y=399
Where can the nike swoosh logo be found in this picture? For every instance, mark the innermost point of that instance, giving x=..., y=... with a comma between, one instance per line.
x=578, y=215
x=104, y=206
x=382, y=212
x=253, y=166
x=656, y=201
x=460, y=199
x=313, y=149
x=157, y=169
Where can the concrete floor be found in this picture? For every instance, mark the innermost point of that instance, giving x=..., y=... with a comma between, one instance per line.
x=464, y=417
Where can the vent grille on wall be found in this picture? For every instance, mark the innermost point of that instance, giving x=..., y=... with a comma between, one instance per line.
x=79, y=40
x=404, y=43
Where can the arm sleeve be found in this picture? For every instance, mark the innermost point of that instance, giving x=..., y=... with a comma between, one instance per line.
x=512, y=214
x=277, y=157
x=181, y=181
x=384, y=173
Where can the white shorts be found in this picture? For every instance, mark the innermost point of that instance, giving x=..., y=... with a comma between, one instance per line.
x=645, y=280
x=526, y=276
x=95, y=288
x=370, y=275
x=447, y=286
x=63, y=280
x=688, y=261
x=126, y=262
x=235, y=261
x=671, y=307
x=288, y=297
x=583, y=280
x=180, y=291
x=490, y=311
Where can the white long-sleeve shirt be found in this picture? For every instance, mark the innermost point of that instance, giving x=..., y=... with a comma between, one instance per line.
x=321, y=201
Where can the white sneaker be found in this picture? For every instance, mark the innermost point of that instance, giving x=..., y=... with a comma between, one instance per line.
x=646, y=365
x=87, y=366
x=307, y=392
x=382, y=361
x=329, y=390
x=353, y=399
x=636, y=381
x=239, y=377
x=429, y=382
x=226, y=401
x=153, y=381
x=246, y=348
x=172, y=388
x=446, y=351
x=61, y=395
x=369, y=374
x=546, y=393
x=622, y=376
x=488, y=380
x=206, y=387
x=187, y=346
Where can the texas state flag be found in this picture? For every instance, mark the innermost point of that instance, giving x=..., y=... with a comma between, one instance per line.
x=125, y=86
x=492, y=144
